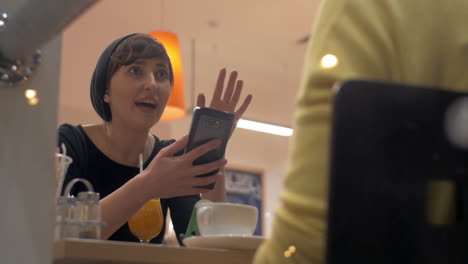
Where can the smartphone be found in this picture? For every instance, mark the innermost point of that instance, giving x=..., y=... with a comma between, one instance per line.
x=208, y=124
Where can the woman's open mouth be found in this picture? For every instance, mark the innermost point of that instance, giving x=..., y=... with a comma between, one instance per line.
x=148, y=105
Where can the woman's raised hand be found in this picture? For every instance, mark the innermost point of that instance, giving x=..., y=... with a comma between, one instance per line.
x=227, y=102
x=170, y=176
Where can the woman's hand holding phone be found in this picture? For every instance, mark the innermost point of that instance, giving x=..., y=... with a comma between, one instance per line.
x=170, y=176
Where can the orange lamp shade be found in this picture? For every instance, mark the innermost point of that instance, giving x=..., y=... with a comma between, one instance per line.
x=175, y=108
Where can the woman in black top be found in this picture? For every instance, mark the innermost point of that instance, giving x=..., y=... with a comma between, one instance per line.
x=130, y=87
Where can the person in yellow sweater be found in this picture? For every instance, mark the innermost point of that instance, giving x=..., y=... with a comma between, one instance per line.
x=420, y=42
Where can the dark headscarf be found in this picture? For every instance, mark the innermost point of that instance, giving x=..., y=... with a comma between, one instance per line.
x=99, y=80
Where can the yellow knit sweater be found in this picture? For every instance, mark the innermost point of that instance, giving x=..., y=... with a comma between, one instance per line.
x=421, y=42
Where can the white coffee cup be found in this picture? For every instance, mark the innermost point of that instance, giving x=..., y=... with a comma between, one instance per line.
x=226, y=219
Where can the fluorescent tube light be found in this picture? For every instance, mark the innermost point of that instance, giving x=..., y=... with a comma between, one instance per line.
x=265, y=128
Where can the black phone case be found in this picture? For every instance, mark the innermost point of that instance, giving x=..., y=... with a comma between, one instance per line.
x=208, y=124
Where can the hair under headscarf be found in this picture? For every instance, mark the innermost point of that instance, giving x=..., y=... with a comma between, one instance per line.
x=104, y=70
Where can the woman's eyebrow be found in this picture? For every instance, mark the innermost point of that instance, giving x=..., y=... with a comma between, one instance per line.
x=139, y=61
x=164, y=65
x=157, y=64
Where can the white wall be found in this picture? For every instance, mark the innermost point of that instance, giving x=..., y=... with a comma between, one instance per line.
x=27, y=144
x=273, y=188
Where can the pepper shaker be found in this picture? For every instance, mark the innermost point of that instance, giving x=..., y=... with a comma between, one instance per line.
x=89, y=212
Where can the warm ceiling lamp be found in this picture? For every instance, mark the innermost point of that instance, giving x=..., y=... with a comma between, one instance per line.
x=175, y=108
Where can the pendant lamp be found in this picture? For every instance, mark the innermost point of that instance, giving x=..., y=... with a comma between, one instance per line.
x=175, y=108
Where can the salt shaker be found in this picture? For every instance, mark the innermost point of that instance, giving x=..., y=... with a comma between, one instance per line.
x=66, y=223
x=89, y=213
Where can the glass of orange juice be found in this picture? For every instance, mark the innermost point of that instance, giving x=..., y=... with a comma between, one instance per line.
x=147, y=222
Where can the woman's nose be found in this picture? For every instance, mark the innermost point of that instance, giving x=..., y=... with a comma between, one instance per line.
x=150, y=82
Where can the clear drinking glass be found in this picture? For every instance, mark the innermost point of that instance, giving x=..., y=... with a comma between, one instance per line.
x=62, y=162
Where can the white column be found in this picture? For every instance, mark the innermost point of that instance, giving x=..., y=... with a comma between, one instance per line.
x=27, y=145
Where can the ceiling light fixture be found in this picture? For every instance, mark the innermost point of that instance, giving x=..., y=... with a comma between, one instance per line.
x=265, y=128
x=175, y=108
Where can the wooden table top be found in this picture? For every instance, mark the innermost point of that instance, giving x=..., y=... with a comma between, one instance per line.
x=88, y=251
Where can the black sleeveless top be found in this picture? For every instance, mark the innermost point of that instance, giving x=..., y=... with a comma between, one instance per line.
x=106, y=176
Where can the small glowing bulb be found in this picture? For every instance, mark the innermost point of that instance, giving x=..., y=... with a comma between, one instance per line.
x=329, y=61
x=287, y=254
x=2, y=23
x=30, y=93
x=292, y=249
x=33, y=101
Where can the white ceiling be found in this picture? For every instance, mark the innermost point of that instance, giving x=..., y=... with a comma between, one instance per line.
x=256, y=37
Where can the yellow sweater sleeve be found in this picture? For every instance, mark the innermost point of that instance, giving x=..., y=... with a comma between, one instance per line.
x=368, y=39
x=300, y=219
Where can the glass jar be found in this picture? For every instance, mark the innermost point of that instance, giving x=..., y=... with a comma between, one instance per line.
x=89, y=215
x=66, y=222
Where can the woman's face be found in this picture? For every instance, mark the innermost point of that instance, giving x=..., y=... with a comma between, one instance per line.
x=138, y=92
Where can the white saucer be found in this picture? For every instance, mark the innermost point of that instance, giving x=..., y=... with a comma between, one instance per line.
x=225, y=242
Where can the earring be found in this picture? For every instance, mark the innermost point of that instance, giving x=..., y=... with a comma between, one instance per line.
x=106, y=97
